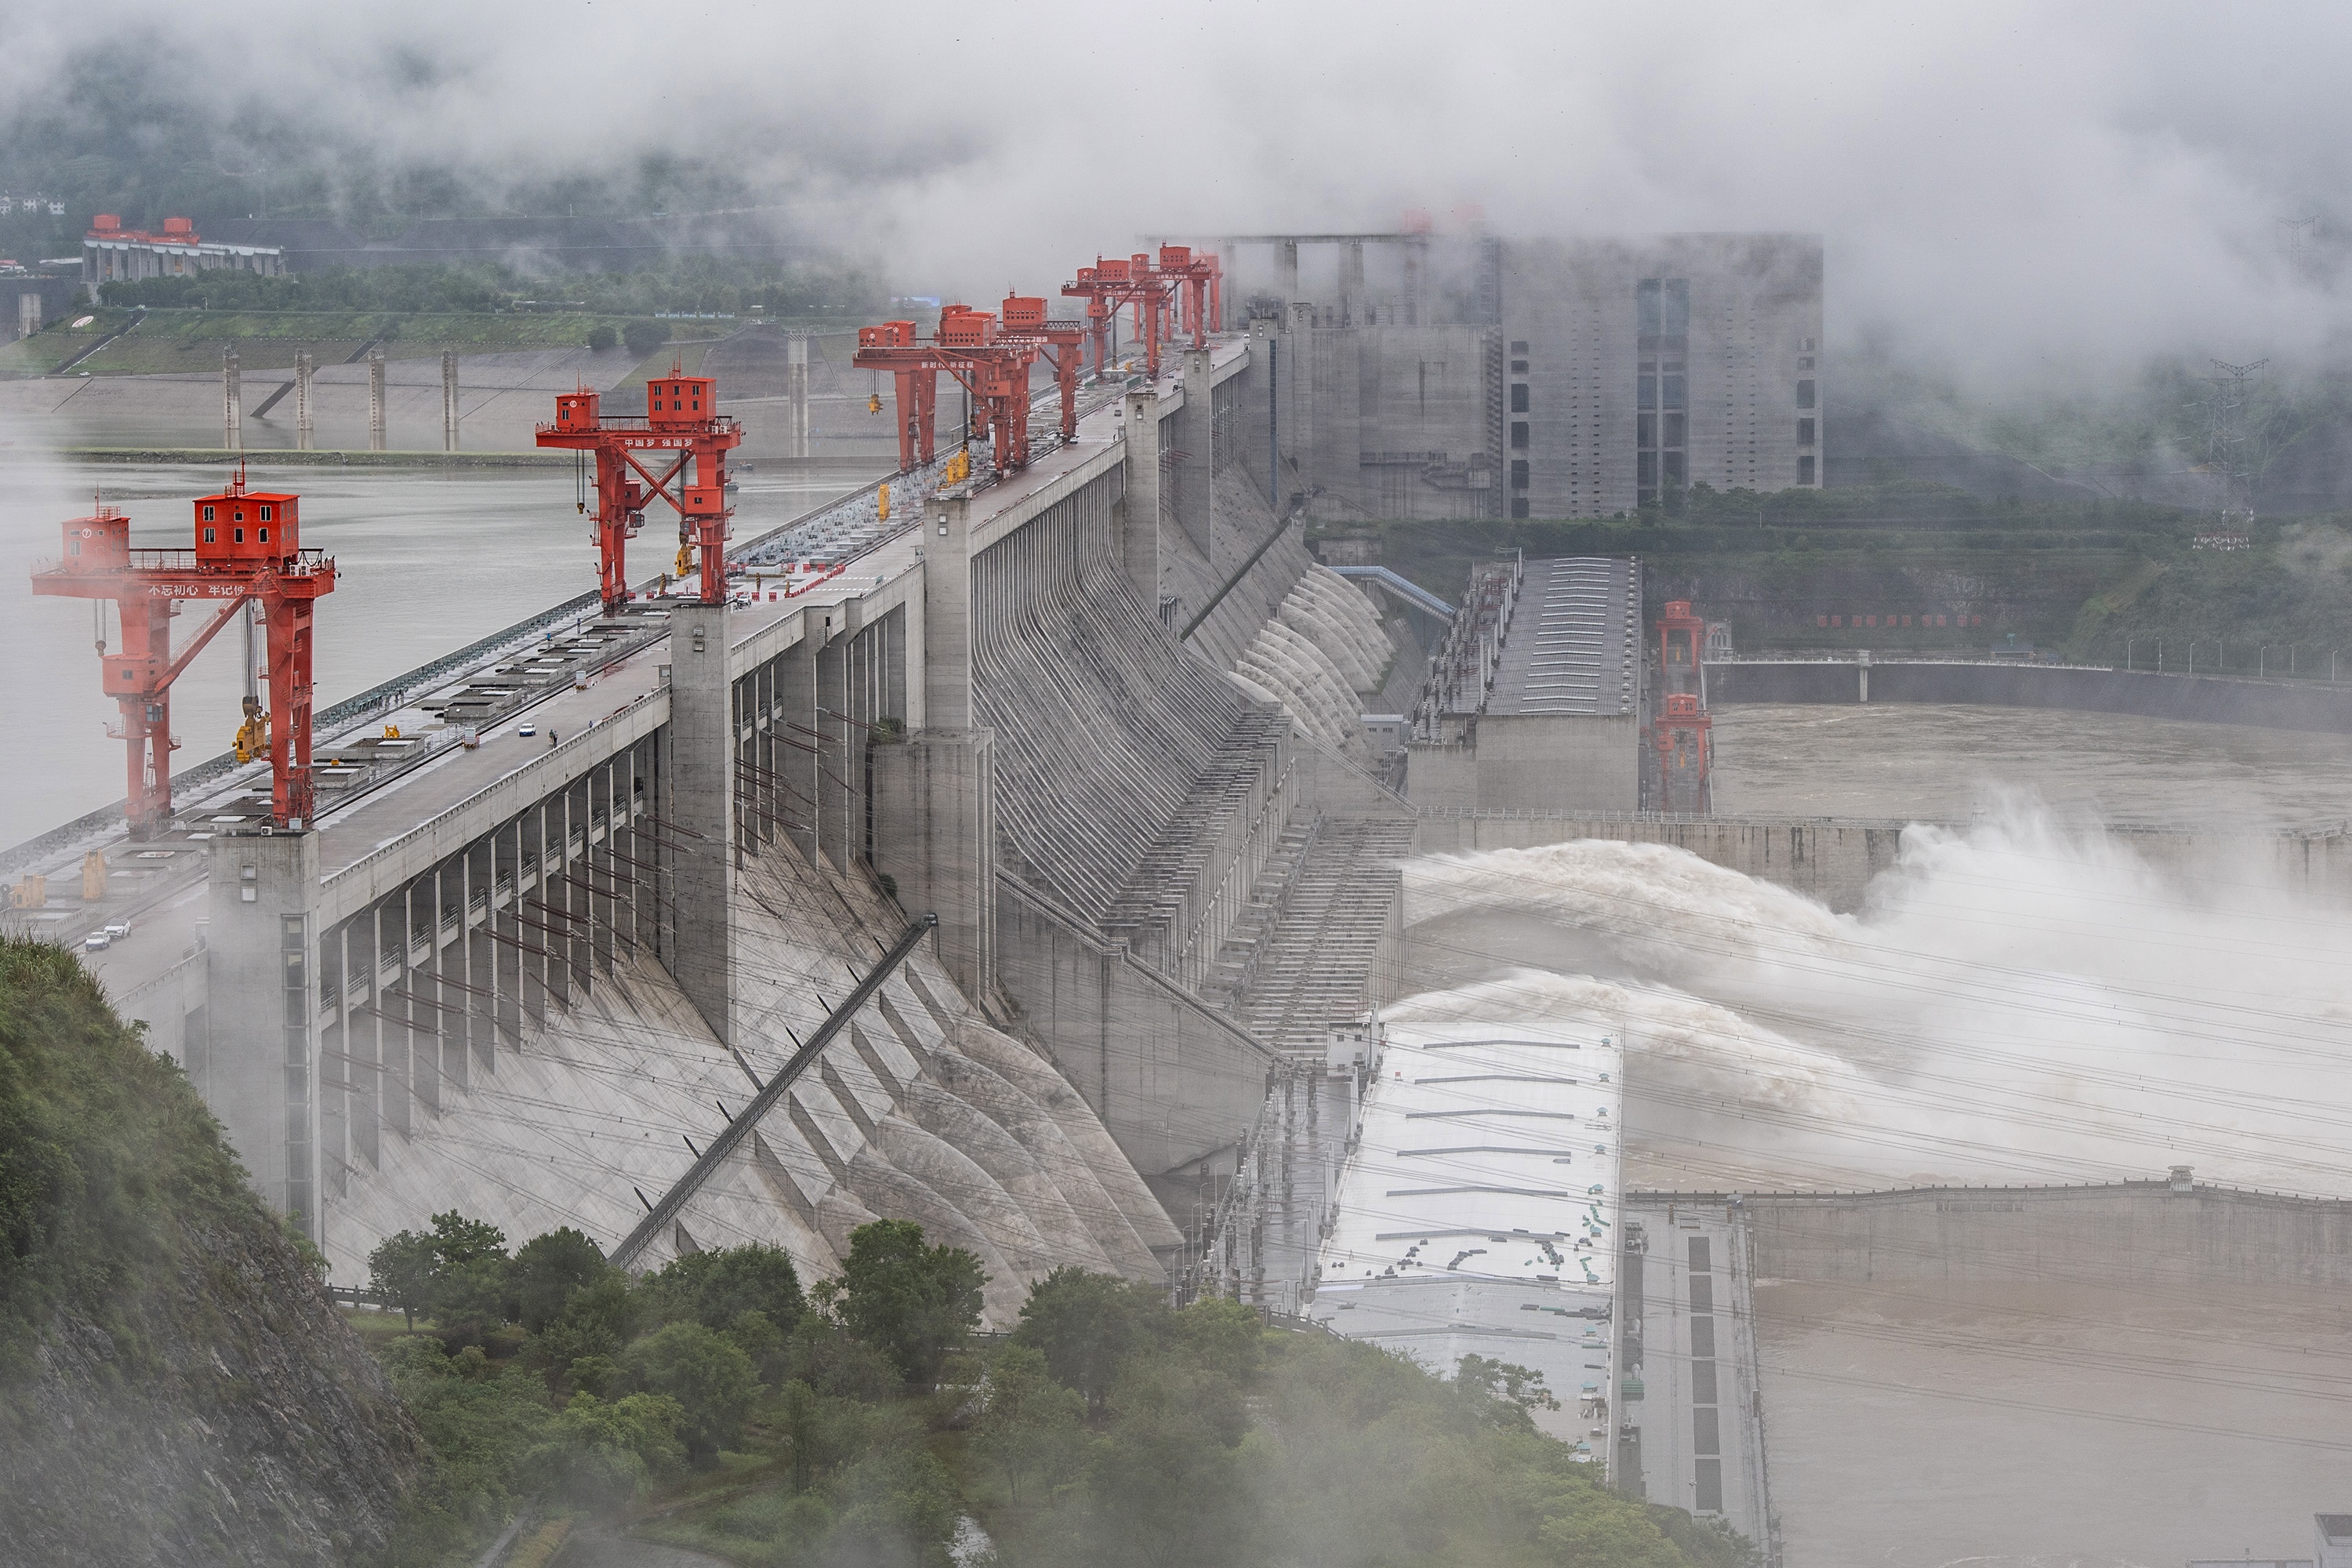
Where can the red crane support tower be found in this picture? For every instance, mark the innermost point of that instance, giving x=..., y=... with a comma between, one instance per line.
x=682, y=417
x=1152, y=285
x=1061, y=344
x=248, y=546
x=1682, y=739
x=992, y=364
x=1680, y=621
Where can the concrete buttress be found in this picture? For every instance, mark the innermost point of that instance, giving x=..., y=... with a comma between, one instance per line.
x=934, y=792
x=1195, y=440
x=700, y=801
x=261, y=961
x=1139, y=545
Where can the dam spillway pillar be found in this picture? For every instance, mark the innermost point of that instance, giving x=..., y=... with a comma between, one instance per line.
x=262, y=1070
x=448, y=400
x=303, y=430
x=1196, y=434
x=232, y=404
x=1285, y=270
x=797, y=760
x=1140, y=509
x=699, y=807
x=796, y=386
x=375, y=400
x=934, y=791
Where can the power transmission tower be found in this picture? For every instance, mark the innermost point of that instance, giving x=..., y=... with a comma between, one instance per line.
x=2231, y=441
x=2295, y=240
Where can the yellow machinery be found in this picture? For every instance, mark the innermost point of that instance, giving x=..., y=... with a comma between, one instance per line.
x=958, y=469
x=253, y=736
x=873, y=402
x=882, y=500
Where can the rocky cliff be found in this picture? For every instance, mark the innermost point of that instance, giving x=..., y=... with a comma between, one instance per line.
x=174, y=1387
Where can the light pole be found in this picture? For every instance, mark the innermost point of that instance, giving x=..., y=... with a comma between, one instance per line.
x=2127, y=653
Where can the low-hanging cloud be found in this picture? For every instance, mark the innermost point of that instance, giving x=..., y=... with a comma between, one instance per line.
x=2005, y=185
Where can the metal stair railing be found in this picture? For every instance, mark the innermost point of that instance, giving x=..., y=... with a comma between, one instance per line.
x=676, y=1199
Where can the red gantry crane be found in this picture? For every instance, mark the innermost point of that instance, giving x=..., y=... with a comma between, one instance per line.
x=1163, y=289
x=991, y=357
x=247, y=547
x=681, y=418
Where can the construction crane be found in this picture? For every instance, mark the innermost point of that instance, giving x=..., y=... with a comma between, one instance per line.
x=992, y=364
x=681, y=418
x=1162, y=289
x=1061, y=343
x=247, y=549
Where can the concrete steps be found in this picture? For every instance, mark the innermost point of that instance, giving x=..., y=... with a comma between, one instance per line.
x=1235, y=961
x=1320, y=948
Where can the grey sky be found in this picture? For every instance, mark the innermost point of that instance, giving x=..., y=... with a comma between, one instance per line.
x=2006, y=182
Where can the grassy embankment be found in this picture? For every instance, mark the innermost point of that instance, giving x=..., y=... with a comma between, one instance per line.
x=2077, y=579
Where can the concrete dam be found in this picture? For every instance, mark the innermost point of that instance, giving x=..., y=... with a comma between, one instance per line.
x=547, y=983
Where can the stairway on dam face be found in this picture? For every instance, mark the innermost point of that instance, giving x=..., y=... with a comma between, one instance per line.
x=1329, y=936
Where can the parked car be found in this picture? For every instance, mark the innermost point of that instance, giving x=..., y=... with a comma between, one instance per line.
x=96, y=942
x=117, y=929
x=526, y=729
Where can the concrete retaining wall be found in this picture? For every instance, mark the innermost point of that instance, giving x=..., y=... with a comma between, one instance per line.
x=2096, y=1234
x=2211, y=699
x=1173, y=1081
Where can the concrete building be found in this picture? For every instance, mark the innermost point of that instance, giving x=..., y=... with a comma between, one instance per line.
x=1547, y=378
x=1479, y=1210
x=110, y=253
x=1534, y=701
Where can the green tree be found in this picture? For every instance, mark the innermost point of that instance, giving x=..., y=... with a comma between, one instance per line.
x=912, y=1302
x=1031, y=1427
x=643, y=337
x=824, y=1355
x=600, y=1454
x=712, y=1381
x=1497, y=1387
x=401, y=1271
x=1085, y=1324
x=602, y=337
x=821, y=1433
x=714, y=1287
x=547, y=1270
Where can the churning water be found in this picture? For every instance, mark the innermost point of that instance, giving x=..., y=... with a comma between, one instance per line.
x=2020, y=1001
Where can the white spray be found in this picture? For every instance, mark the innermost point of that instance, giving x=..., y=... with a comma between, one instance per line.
x=2019, y=1003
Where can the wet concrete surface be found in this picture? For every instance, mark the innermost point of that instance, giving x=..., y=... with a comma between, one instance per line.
x=606, y=1549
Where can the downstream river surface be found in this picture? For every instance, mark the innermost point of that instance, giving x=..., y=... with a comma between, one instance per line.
x=1941, y=763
